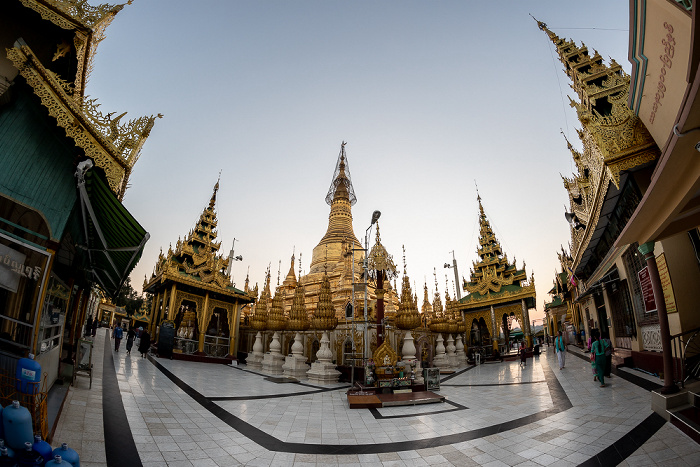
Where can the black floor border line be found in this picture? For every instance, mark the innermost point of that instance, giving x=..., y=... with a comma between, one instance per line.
x=269, y=442
x=375, y=413
x=457, y=373
x=634, y=379
x=491, y=384
x=273, y=396
x=296, y=381
x=120, y=447
x=628, y=444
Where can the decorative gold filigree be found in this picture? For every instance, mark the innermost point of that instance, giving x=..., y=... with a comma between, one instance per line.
x=112, y=146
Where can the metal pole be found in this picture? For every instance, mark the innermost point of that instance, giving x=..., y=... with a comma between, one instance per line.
x=454, y=264
x=352, y=319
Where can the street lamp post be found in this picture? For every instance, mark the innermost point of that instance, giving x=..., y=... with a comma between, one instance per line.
x=454, y=267
x=375, y=218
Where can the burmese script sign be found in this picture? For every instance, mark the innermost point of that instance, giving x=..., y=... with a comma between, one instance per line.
x=665, y=276
x=647, y=291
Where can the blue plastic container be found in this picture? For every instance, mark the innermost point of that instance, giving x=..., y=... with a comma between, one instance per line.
x=5, y=459
x=58, y=462
x=18, y=426
x=10, y=451
x=28, y=372
x=29, y=457
x=2, y=429
x=67, y=455
x=43, y=448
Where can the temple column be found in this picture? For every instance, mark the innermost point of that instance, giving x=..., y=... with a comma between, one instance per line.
x=494, y=330
x=234, y=322
x=647, y=249
x=526, y=325
x=171, y=303
x=202, y=326
x=154, y=317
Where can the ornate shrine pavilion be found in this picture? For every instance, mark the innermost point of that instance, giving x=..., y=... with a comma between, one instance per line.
x=192, y=288
x=497, y=291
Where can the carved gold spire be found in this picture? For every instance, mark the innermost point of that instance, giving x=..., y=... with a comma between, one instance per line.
x=437, y=320
x=298, y=316
x=324, y=317
x=276, y=321
x=407, y=317
x=195, y=258
x=341, y=197
x=259, y=319
x=380, y=260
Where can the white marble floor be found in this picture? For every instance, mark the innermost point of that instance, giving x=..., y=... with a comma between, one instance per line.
x=218, y=415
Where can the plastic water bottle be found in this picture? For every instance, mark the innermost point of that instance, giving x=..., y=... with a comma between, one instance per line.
x=29, y=375
x=17, y=422
x=10, y=451
x=43, y=448
x=67, y=455
x=29, y=457
x=58, y=462
x=5, y=459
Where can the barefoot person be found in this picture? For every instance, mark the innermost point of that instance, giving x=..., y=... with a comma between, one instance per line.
x=560, y=349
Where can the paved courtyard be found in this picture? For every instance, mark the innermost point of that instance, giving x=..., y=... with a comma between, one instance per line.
x=157, y=412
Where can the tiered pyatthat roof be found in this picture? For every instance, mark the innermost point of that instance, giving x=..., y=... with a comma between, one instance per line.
x=112, y=144
x=619, y=135
x=407, y=317
x=380, y=260
x=493, y=276
x=614, y=141
x=196, y=261
x=259, y=318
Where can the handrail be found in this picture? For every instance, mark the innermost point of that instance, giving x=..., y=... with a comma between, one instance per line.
x=685, y=332
x=679, y=349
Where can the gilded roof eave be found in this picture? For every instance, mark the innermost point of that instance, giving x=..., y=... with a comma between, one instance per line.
x=159, y=282
x=474, y=300
x=112, y=147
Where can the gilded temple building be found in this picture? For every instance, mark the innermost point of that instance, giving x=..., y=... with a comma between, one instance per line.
x=65, y=169
x=632, y=265
x=497, y=292
x=192, y=290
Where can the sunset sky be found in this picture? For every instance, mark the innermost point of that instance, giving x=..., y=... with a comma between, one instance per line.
x=433, y=99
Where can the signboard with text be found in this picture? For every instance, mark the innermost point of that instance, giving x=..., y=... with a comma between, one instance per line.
x=647, y=290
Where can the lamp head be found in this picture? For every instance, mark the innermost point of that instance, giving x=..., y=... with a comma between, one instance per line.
x=447, y=265
x=375, y=216
x=570, y=216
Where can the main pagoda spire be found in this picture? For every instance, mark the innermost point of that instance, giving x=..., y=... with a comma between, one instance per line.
x=341, y=197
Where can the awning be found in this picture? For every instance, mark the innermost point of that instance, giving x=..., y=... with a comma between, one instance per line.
x=114, y=239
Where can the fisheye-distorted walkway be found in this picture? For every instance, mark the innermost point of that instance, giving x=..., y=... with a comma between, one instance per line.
x=182, y=413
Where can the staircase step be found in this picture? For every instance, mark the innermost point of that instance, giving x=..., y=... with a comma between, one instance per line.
x=687, y=419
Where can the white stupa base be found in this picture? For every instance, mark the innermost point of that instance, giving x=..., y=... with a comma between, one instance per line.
x=323, y=373
x=272, y=363
x=441, y=362
x=254, y=361
x=295, y=366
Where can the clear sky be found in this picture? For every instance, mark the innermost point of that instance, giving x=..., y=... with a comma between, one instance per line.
x=431, y=97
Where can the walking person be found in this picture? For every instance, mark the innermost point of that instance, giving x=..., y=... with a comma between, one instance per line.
x=598, y=351
x=94, y=327
x=523, y=355
x=117, y=335
x=608, y=354
x=560, y=349
x=130, y=335
x=145, y=343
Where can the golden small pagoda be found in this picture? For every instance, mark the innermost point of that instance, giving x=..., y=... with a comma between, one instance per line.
x=193, y=279
x=497, y=290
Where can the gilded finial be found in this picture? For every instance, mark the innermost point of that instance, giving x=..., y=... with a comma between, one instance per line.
x=279, y=269
x=404, y=259
x=436, y=284
x=299, y=265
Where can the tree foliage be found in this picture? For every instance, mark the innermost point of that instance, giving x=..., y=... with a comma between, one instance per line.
x=128, y=298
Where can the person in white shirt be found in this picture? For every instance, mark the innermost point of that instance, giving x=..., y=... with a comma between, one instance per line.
x=560, y=349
